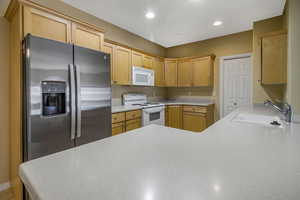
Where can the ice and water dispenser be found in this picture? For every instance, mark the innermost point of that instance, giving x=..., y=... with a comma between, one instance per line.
x=53, y=98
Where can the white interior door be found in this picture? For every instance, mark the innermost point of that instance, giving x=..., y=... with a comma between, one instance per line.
x=236, y=83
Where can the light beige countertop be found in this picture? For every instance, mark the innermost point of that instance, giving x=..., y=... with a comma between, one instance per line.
x=122, y=108
x=229, y=161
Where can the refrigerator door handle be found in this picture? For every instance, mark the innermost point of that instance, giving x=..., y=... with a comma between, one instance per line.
x=77, y=70
x=73, y=101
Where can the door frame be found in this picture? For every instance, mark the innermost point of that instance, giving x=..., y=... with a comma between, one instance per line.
x=221, y=82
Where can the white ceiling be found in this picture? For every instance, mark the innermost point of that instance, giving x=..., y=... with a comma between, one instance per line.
x=181, y=21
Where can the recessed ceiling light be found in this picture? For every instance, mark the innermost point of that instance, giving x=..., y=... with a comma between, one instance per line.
x=150, y=15
x=217, y=23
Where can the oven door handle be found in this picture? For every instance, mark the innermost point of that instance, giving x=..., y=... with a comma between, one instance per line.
x=153, y=110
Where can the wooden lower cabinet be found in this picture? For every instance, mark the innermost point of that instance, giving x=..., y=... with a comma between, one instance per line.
x=194, y=121
x=126, y=121
x=197, y=118
x=133, y=124
x=191, y=118
x=135, y=114
x=118, y=128
x=174, y=116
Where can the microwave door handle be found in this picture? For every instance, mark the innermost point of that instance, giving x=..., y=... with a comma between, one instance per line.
x=78, y=117
x=73, y=100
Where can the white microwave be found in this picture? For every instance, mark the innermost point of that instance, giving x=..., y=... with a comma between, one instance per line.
x=142, y=76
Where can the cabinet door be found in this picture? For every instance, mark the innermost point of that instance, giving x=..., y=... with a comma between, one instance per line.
x=46, y=25
x=174, y=116
x=171, y=72
x=122, y=66
x=185, y=73
x=167, y=116
x=109, y=48
x=159, y=67
x=118, y=128
x=87, y=37
x=274, y=59
x=202, y=72
x=137, y=59
x=194, y=121
x=133, y=124
x=148, y=61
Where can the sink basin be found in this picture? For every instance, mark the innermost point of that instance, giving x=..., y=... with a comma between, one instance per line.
x=258, y=119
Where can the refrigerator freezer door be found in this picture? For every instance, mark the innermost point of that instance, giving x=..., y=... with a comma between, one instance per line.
x=94, y=95
x=47, y=120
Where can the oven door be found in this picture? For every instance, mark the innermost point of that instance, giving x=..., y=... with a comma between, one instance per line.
x=155, y=115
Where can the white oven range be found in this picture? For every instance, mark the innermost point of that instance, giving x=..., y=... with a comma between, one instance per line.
x=152, y=113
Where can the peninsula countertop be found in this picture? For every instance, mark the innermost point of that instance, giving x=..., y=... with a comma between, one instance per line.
x=123, y=108
x=228, y=161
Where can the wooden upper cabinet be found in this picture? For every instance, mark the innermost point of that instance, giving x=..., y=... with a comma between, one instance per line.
x=170, y=72
x=122, y=66
x=274, y=58
x=109, y=48
x=137, y=59
x=185, y=76
x=46, y=25
x=148, y=61
x=202, y=72
x=159, y=76
x=86, y=37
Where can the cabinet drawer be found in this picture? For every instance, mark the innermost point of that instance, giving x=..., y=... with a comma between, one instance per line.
x=198, y=109
x=133, y=114
x=118, y=117
x=118, y=128
x=133, y=124
x=196, y=122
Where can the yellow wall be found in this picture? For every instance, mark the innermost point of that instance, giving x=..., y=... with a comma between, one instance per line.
x=238, y=43
x=4, y=100
x=261, y=93
x=293, y=23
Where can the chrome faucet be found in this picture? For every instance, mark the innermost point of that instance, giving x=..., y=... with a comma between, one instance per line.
x=286, y=109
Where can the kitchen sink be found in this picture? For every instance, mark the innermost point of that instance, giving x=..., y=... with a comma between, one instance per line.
x=270, y=121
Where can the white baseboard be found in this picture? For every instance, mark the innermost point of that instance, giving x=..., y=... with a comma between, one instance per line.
x=4, y=186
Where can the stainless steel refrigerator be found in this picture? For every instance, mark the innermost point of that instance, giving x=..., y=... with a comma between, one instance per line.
x=67, y=96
